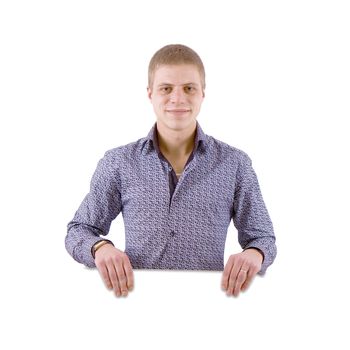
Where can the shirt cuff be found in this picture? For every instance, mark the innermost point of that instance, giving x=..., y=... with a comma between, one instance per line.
x=268, y=251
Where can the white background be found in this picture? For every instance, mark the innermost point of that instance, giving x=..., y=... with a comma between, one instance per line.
x=73, y=78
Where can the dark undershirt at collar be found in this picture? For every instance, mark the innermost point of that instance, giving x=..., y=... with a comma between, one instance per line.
x=173, y=179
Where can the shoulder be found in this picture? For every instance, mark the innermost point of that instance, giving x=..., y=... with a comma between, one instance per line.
x=125, y=152
x=228, y=151
x=116, y=159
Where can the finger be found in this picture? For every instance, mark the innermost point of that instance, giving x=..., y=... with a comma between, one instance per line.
x=129, y=274
x=233, y=277
x=251, y=274
x=102, y=269
x=246, y=284
x=241, y=278
x=114, y=278
x=226, y=274
x=121, y=278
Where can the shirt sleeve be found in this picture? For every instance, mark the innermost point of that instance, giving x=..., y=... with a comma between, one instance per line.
x=95, y=214
x=250, y=216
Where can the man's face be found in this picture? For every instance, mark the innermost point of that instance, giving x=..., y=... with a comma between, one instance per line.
x=176, y=95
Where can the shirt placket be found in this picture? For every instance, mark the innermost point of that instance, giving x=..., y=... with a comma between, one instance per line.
x=188, y=168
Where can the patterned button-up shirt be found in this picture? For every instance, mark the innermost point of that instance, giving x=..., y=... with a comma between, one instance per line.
x=174, y=223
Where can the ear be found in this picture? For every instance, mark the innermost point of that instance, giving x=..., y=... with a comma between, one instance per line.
x=149, y=93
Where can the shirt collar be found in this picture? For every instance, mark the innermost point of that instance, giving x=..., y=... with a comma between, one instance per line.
x=199, y=141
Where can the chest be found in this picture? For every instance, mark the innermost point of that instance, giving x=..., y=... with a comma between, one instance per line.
x=206, y=185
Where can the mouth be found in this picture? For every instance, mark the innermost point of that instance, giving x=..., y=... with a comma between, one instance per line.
x=177, y=111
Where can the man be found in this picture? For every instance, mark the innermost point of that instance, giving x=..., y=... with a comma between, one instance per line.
x=177, y=189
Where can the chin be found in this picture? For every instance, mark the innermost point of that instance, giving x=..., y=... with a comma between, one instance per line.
x=179, y=123
x=176, y=122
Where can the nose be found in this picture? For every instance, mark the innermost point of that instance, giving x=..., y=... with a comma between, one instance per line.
x=177, y=95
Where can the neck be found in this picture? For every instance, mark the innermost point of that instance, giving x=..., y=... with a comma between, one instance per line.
x=176, y=143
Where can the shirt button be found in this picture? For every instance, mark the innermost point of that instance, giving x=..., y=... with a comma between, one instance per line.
x=170, y=168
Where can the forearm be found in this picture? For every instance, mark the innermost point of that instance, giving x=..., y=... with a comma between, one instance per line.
x=79, y=240
x=259, y=234
x=251, y=218
x=95, y=214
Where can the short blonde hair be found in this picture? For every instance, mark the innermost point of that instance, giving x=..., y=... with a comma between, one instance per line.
x=175, y=54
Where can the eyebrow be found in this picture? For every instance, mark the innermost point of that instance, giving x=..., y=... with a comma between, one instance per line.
x=169, y=84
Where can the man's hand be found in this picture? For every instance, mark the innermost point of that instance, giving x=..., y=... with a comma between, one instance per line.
x=240, y=270
x=115, y=269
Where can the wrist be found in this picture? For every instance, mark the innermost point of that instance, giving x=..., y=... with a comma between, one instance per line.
x=258, y=251
x=98, y=245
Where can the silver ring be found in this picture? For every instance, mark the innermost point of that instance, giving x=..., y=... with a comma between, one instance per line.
x=244, y=270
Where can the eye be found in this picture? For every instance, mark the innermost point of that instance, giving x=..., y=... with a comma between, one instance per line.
x=165, y=89
x=189, y=89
